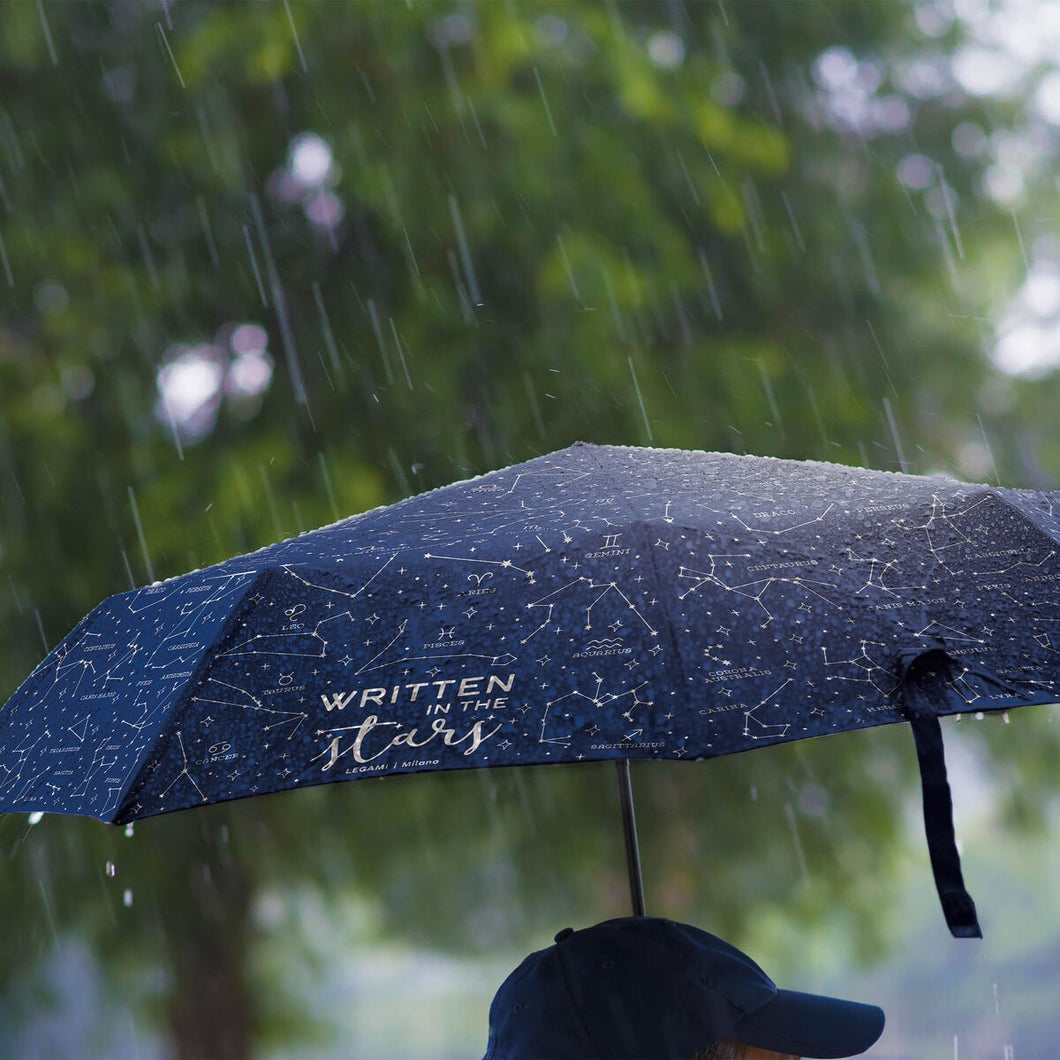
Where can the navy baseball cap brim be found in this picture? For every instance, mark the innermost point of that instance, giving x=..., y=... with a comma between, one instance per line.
x=645, y=987
x=812, y=1025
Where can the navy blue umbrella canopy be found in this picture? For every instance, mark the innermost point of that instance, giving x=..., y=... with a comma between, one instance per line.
x=599, y=602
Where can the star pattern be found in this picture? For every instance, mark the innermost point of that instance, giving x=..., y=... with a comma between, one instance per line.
x=539, y=614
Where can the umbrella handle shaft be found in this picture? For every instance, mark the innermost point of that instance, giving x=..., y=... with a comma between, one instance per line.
x=629, y=828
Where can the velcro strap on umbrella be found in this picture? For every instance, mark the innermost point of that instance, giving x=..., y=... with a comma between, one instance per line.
x=924, y=682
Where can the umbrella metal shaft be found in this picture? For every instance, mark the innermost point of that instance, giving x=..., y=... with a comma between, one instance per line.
x=629, y=828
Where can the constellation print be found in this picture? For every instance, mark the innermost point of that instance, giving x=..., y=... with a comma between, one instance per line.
x=881, y=677
x=598, y=698
x=504, y=659
x=878, y=569
x=760, y=586
x=759, y=730
x=598, y=591
x=276, y=719
x=936, y=631
x=503, y=564
x=943, y=530
x=324, y=587
x=786, y=529
x=541, y=613
x=184, y=772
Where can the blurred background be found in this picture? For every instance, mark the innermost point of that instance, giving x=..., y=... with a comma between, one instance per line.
x=265, y=265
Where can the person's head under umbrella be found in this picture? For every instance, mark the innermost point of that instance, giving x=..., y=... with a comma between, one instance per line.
x=643, y=988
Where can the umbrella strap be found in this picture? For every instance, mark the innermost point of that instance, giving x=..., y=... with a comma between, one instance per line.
x=922, y=685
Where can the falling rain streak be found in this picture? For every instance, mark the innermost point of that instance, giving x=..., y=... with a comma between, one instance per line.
x=169, y=52
x=204, y=217
x=279, y=303
x=294, y=34
x=465, y=253
x=895, y=438
x=400, y=352
x=254, y=267
x=47, y=33
x=6, y=262
x=325, y=326
x=148, y=566
x=640, y=401
x=384, y=355
x=544, y=101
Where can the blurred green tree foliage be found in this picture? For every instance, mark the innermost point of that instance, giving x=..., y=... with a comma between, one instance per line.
x=471, y=233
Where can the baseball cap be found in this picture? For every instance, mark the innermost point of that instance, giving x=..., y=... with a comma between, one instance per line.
x=645, y=987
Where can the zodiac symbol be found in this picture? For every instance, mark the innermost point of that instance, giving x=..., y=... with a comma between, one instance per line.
x=286, y=679
x=219, y=748
x=478, y=579
x=294, y=612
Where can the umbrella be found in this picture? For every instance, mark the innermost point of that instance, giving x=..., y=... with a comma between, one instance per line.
x=599, y=602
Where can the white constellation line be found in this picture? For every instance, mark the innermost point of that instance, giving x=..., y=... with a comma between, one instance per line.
x=605, y=586
x=763, y=730
x=288, y=716
x=288, y=569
